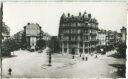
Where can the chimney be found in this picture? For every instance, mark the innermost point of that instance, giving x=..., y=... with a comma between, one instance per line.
x=28, y=24
x=79, y=13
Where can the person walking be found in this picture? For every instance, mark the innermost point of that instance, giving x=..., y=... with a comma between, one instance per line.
x=9, y=71
x=83, y=56
x=86, y=58
x=73, y=53
x=96, y=56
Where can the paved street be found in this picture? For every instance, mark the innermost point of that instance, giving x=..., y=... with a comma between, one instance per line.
x=33, y=64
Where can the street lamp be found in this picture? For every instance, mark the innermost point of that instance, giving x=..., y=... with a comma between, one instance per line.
x=49, y=53
x=50, y=58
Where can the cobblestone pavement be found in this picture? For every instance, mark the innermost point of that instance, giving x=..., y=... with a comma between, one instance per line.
x=32, y=64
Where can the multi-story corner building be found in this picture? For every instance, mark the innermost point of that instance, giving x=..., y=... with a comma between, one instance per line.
x=102, y=39
x=79, y=33
x=123, y=34
x=32, y=33
x=5, y=32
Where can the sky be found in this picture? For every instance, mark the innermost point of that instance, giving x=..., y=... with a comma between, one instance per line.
x=110, y=15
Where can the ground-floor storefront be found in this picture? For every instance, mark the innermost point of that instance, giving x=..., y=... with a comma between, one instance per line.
x=79, y=47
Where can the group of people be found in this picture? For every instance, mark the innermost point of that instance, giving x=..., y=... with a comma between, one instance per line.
x=9, y=71
x=85, y=56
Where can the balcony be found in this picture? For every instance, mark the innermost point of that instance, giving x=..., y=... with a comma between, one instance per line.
x=93, y=34
x=94, y=40
x=86, y=40
x=86, y=34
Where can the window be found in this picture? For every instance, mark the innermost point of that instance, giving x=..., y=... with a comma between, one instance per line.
x=78, y=24
x=65, y=49
x=63, y=25
x=74, y=24
x=78, y=31
x=67, y=31
x=78, y=38
x=82, y=24
x=81, y=44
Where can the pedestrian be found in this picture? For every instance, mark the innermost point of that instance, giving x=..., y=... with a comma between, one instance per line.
x=73, y=57
x=73, y=53
x=80, y=54
x=9, y=71
x=86, y=58
x=83, y=56
x=96, y=56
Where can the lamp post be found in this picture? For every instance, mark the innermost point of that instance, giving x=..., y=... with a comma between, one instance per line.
x=50, y=52
x=50, y=58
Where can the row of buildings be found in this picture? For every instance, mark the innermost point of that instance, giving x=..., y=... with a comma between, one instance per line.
x=83, y=34
x=5, y=31
x=80, y=33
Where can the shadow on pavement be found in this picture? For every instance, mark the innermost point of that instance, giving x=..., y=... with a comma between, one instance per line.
x=9, y=56
x=117, y=55
x=121, y=69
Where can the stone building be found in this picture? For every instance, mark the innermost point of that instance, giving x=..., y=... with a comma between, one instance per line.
x=123, y=34
x=79, y=33
x=46, y=36
x=102, y=39
x=5, y=32
x=32, y=33
x=112, y=38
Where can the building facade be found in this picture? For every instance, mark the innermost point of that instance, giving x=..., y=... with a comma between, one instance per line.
x=102, y=37
x=5, y=32
x=112, y=39
x=79, y=33
x=32, y=33
x=18, y=36
x=46, y=37
x=102, y=40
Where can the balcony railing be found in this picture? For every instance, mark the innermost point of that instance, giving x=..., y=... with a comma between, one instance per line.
x=86, y=34
x=86, y=40
x=93, y=33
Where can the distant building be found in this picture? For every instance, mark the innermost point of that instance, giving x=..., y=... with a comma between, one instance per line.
x=79, y=33
x=102, y=39
x=18, y=36
x=32, y=33
x=5, y=32
x=124, y=34
x=119, y=37
x=112, y=38
x=46, y=36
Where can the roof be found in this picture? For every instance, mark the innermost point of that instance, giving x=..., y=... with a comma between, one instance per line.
x=32, y=29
